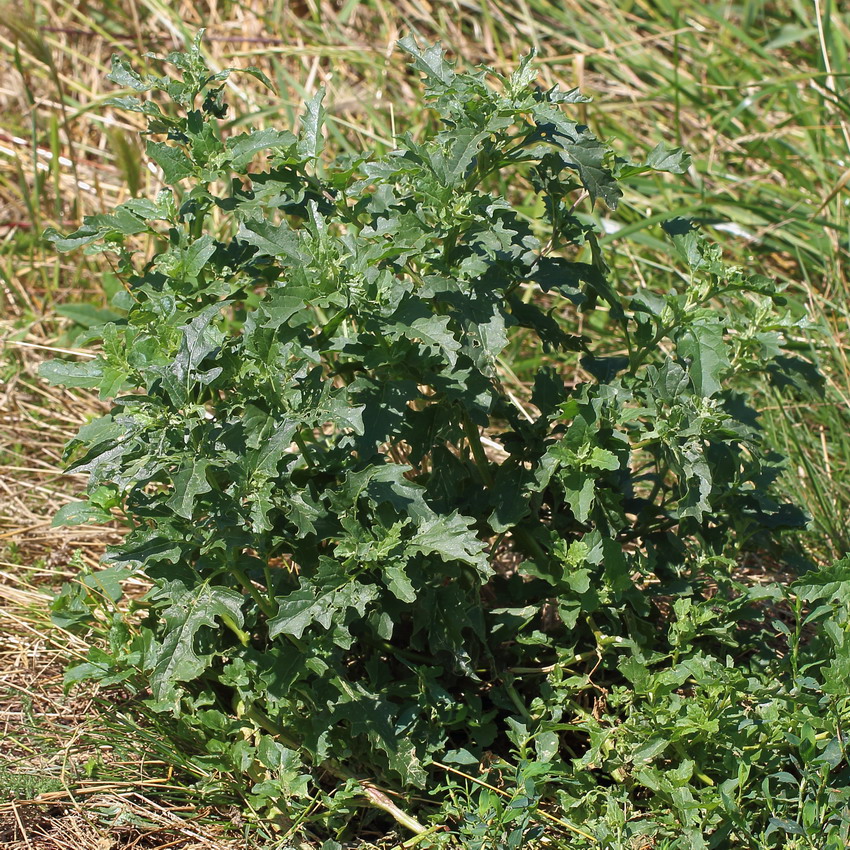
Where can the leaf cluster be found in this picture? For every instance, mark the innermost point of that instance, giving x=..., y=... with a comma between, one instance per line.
x=371, y=546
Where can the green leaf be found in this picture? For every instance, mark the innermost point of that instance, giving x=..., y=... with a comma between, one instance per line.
x=587, y=156
x=257, y=74
x=601, y=459
x=123, y=75
x=78, y=513
x=450, y=537
x=86, y=315
x=674, y=160
x=88, y=373
x=547, y=745
x=579, y=492
x=787, y=826
x=244, y=147
x=178, y=657
x=830, y=583
x=414, y=320
x=174, y=163
x=106, y=581
x=273, y=240
x=399, y=582
x=581, y=151
x=451, y=166
x=310, y=140
x=295, y=613
x=322, y=603
x=85, y=235
x=197, y=254
x=703, y=346
x=525, y=73
x=189, y=483
x=430, y=61
x=693, y=247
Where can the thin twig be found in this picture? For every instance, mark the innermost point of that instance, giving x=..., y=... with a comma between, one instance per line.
x=53, y=348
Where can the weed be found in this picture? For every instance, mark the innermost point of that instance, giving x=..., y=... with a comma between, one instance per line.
x=307, y=382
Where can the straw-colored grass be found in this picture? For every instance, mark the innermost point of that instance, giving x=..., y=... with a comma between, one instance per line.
x=756, y=91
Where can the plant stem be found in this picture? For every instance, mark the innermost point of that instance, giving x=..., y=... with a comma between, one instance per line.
x=263, y=604
x=412, y=842
x=409, y=654
x=521, y=707
x=299, y=441
x=604, y=640
x=375, y=795
x=526, y=539
x=243, y=637
x=380, y=800
x=470, y=429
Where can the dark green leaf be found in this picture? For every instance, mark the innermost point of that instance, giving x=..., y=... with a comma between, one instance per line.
x=178, y=657
x=173, y=161
x=703, y=346
x=189, y=483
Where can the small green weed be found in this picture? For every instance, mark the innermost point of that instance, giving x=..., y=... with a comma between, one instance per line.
x=26, y=786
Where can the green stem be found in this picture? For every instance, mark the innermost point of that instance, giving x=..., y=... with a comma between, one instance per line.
x=515, y=697
x=243, y=637
x=604, y=640
x=450, y=243
x=494, y=546
x=409, y=654
x=637, y=359
x=412, y=842
x=196, y=228
x=526, y=539
x=470, y=429
x=263, y=604
x=795, y=640
x=265, y=722
x=305, y=452
x=704, y=778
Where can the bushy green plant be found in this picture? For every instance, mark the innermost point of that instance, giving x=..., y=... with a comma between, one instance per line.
x=370, y=551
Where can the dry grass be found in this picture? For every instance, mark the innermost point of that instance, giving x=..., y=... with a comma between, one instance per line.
x=53, y=747
x=105, y=820
x=769, y=136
